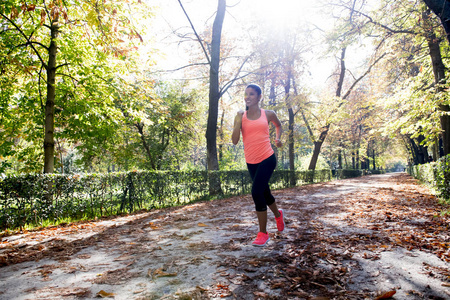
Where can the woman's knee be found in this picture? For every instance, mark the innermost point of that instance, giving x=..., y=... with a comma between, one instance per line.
x=269, y=198
x=260, y=202
x=260, y=207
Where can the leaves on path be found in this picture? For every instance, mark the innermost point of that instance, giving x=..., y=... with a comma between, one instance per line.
x=329, y=231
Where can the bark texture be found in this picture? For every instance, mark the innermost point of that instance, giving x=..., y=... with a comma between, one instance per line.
x=49, y=122
x=214, y=96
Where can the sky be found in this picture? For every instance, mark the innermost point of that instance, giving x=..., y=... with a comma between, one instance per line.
x=274, y=13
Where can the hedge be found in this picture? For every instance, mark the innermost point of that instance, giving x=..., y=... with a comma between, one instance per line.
x=36, y=199
x=436, y=174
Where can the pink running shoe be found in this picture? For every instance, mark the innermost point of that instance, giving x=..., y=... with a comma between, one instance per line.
x=280, y=221
x=261, y=239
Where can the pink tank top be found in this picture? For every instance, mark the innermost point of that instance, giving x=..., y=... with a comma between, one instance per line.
x=256, y=138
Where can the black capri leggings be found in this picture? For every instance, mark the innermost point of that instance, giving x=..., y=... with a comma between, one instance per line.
x=260, y=174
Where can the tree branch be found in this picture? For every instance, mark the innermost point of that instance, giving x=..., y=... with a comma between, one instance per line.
x=384, y=26
x=195, y=32
x=63, y=65
x=26, y=38
x=362, y=76
x=180, y=68
x=230, y=83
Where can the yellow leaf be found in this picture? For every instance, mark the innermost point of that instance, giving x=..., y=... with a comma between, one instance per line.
x=160, y=273
x=104, y=294
x=202, y=225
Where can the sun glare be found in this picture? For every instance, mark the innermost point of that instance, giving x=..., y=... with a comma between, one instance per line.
x=285, y=12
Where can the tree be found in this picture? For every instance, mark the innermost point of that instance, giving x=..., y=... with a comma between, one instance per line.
x=159, y=125
x=344, y=35
x=216, y=90
x=442, y=9
x=280, y=55
x=57, y=52
x=422, y=97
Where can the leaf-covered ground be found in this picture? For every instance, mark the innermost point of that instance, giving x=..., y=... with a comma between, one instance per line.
x=365, y=238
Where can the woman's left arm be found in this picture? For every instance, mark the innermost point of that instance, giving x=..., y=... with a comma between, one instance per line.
x=272, y=117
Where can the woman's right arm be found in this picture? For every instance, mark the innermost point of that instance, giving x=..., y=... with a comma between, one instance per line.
x=237, y=127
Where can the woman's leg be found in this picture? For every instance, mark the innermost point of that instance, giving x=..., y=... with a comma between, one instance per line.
x=262, y=220
x=260, y=174
x=273, y=207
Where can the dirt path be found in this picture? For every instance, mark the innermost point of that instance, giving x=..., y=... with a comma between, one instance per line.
x=347, y=239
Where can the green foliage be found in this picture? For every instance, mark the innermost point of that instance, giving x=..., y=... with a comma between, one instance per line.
x=232, y=158
x=351, y=173
x=435, y=174
x=160, y=127
x=95, y=46
x=303, y=163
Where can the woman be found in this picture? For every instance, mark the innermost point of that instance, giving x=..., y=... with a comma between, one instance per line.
x=260, y=157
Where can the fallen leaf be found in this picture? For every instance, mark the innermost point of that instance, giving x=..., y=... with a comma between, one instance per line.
x=201, y=288
x=160, y=273
x=386, y=295
x=104, y=294
x=202, y=225
x=223, y=286
x=124, y=257
x=260, y=294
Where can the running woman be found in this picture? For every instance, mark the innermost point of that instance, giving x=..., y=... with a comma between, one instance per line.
x=260, y=157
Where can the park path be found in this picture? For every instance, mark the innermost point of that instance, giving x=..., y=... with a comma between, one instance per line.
x=359, y=238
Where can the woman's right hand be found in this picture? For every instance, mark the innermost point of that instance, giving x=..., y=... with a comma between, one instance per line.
x=238, y=118
x=237, y=127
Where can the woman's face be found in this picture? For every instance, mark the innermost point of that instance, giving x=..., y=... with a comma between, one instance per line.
x=251, y=97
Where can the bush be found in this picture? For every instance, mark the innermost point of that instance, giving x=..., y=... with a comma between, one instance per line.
x=435, y=174
x=350, y=173
x=38, y=199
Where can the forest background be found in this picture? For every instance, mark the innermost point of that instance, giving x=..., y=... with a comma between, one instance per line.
x=101, y=86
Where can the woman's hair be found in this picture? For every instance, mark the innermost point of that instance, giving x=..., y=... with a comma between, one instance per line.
x=256, y=87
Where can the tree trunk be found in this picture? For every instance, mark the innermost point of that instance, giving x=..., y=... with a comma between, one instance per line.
x=140, y=128
x=417, y=153
x=445, y=126
x=291, y=140
x=373, y=160
x=317, y=146
x=221, y=135
x=272, y=95
x=357, y=160
x=315, y=156
x=345, y=160
x=340, y=159
x=353, y=160
x=288, y=100
x=442, y=10
x=422, y=149
x=436, y=149
x=214, y=96
x=49, y=126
